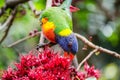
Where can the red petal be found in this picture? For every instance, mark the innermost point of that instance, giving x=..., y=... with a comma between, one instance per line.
x=86, y=66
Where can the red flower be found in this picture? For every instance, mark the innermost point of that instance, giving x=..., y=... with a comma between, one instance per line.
x=41, y=66
x=47, y=66
x=89, y=72
x=8, y=75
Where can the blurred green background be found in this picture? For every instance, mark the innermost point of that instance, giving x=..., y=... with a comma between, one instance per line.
x=97, y=18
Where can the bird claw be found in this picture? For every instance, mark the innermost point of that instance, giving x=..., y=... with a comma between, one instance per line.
x=40, y=46
x=49, y=44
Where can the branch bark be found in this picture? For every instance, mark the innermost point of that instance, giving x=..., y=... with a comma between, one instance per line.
x=11, y=4
x=23, y=39
x=8, y=24
x=32, y=7
x=90, y=44
x=48, y=3
x=9, y=19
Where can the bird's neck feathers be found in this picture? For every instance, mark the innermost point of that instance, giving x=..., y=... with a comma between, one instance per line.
x=46, y=25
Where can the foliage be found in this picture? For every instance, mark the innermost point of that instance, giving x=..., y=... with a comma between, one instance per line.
x=2, y=2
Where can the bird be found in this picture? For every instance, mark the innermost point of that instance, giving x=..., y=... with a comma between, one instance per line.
x=57, y=27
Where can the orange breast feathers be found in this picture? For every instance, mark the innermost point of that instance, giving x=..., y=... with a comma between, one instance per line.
x=48, y=30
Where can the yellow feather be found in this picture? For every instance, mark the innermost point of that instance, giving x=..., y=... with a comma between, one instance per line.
x=48, y=25
x=65, y=32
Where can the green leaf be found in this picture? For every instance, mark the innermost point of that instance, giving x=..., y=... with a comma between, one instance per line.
x=114, y=39
x=7, y=56
x=2, y=3
x=39, y=4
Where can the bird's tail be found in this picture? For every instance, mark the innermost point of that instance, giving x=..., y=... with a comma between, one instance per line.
x=69, y=55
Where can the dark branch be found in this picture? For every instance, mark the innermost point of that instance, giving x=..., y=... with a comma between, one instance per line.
x=8, y=23
x=11, y=4
x=32, y=7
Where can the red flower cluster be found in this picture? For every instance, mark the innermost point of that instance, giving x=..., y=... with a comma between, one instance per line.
x=43, y=66
x=46, y=66
x=88, y=72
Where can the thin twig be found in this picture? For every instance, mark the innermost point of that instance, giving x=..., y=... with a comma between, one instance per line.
x=10, y=4
x=41, y=41
x=23, y=39
x=32, y=7
x=5, y=34
x=8, y=24
x=28, y=37
x=86, y=58
x=90, y=44
x=48, y=3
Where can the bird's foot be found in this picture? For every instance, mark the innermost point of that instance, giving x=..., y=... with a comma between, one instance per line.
x=43, y=45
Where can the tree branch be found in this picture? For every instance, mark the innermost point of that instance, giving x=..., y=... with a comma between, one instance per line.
x=90, y=44
x=48, y=3
x=32, y=7
x=86, y=41
x=86, y=58
x=8, y=24
x=23, y=39
x=11, y=4
x=9, y=19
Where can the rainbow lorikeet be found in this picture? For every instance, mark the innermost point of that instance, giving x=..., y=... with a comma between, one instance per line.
x=57, y=28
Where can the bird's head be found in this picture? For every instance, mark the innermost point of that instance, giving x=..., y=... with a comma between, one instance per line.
x=44, y=20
